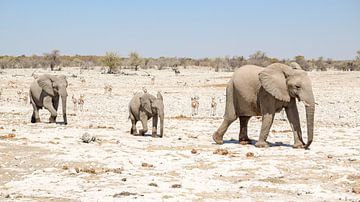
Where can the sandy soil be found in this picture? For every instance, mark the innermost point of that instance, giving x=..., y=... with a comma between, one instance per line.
x=49, y=162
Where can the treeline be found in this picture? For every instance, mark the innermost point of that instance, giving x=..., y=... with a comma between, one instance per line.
x=55, y=61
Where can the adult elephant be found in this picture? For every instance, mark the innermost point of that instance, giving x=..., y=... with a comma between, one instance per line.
x=258, y=91
x=45, y=92
x=144, y=106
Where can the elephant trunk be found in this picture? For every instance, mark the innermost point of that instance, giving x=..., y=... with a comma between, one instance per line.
x=161, y=116
x=310, y=109
x=63, y=102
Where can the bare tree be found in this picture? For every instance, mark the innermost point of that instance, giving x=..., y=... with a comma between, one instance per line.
x=53, y=58
x=113, y=61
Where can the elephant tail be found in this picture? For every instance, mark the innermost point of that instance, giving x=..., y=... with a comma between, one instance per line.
x=230, y=113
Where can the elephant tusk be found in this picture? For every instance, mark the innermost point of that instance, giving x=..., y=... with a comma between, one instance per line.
x=305, y=103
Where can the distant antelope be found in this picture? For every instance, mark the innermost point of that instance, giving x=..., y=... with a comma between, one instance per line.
x=75, y=102
x=81, y=102
x=194, y=105
x=213, y=106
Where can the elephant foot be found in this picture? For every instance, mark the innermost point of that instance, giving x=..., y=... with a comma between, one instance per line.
x=217, y=138
x=298, y=145
x=142, y=133
x=133, y=131
x=52, y=119
x=244, y=140
x=154, y=135
x=35, y=120
x=262, y=144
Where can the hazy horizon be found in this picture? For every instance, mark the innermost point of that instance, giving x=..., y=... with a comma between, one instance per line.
x=196, y=29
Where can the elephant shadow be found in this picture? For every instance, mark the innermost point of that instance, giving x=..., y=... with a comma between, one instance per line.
x=253, y=142
x=60, y=123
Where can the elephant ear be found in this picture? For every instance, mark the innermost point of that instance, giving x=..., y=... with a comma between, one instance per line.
x=45, y=82
x=295, y=65
x=273, y=80
x=146, y=102
x=159, y=96
x=62, y=78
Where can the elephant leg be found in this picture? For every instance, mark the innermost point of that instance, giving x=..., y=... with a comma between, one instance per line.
x=35, y=118
x=293, y=117
x=144, y=120
x=267, y=120
x=48, y=104
x=243, y=137
x=133, y=130
x=154, y=127
x=229, y=116
x=219, y=134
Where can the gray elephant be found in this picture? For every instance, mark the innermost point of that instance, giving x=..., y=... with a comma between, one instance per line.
x=45, y=92
x=255, y=91
x=144, y=106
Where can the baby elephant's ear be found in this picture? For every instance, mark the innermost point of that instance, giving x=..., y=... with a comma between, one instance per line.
x=145, y=103
x=45, y=83
x=159, y=96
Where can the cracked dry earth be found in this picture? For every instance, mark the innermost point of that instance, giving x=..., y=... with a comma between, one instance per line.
x=49, y=162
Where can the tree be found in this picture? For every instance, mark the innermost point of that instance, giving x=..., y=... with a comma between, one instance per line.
x=134, y=60
x=53, y=58
x=302, y=62
x=358, y=55
x=259, y=58
x=113, y=61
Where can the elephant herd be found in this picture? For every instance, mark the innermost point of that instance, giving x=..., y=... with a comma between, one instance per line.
x=252, y=91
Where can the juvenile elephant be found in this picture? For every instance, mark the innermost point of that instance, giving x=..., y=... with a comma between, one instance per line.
x=144, y=106
x=255, y=91
x=45, y=92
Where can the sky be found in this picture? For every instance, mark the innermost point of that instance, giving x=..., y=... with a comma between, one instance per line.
x=182, y=28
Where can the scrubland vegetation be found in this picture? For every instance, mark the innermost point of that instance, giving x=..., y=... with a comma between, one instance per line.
x=55, y=60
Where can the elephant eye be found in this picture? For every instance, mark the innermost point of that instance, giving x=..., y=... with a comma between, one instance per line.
x=297, y=86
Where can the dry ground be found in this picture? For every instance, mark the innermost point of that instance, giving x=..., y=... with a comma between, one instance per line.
x=49, y=162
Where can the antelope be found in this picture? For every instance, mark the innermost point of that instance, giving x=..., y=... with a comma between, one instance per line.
x=194, y=105
x=213, y=106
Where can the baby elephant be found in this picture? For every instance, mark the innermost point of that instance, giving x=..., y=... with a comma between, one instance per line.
x=46, y=92
x=144, y=106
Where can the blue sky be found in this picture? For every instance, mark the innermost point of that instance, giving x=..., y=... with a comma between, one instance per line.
x=182, y=28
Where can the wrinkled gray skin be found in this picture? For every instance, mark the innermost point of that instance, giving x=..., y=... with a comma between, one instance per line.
x=45, y=92
x=258, y=91
x=144, y=106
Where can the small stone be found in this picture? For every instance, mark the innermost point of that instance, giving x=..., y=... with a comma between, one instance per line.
x=221, y=152
x=356, y=190
x=13, y=130
x=147, y=165
x=153, y=184
x=329, y=156
x=176, y=186
x=87, y=138
x=193, y=151
x=7, y=196
x=250, y=155
x=123, y=179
